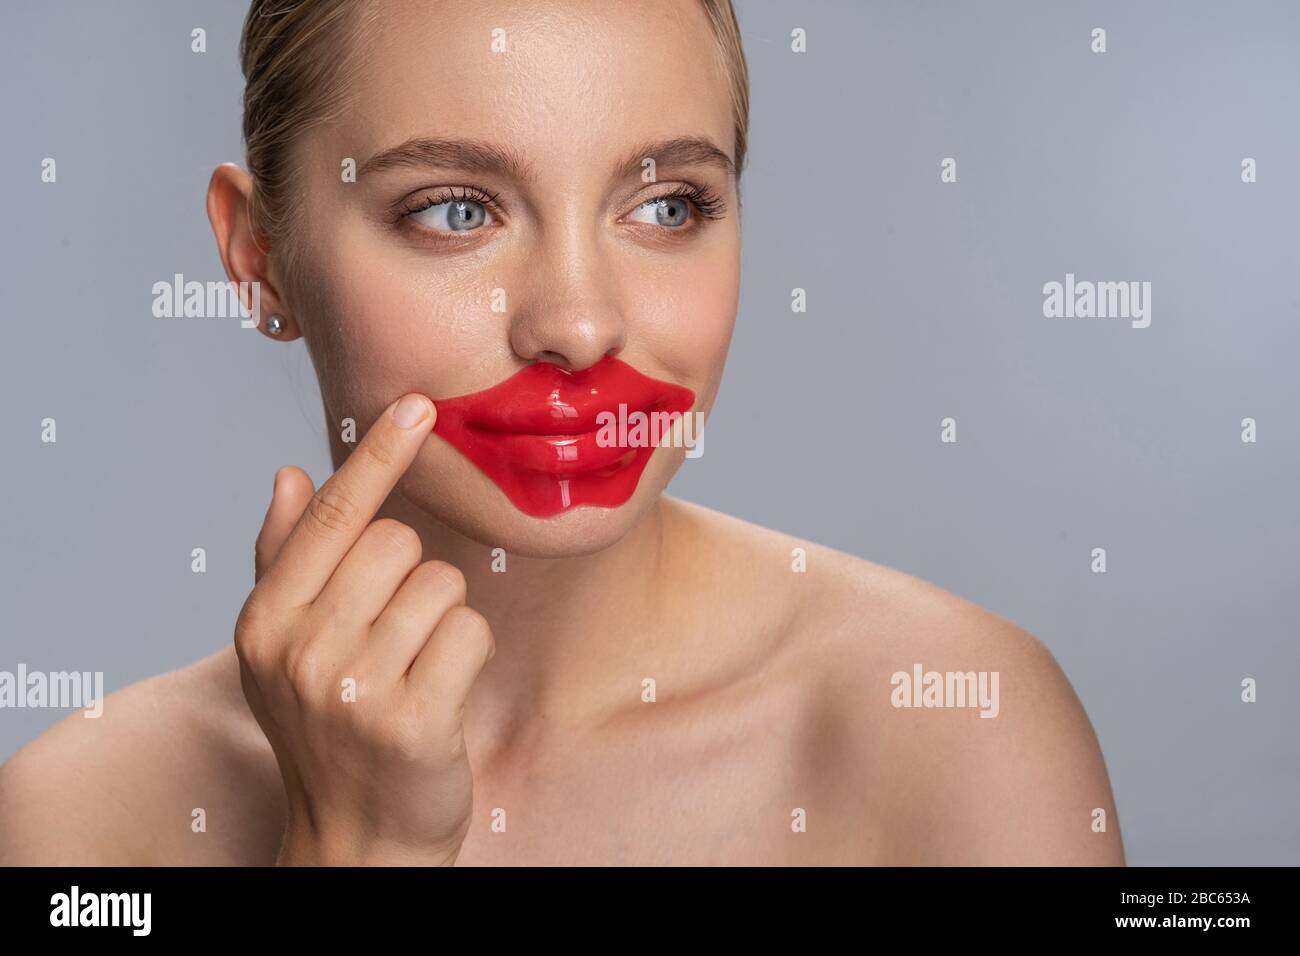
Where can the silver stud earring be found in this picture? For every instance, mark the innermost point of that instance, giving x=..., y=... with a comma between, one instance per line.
x=275, y=324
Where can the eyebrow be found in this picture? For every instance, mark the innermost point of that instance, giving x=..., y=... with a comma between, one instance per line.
x=478, y=156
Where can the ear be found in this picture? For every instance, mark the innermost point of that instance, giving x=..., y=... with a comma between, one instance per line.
x=230, y=195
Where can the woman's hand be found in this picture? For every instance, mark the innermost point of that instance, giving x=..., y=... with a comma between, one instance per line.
x=356, y=658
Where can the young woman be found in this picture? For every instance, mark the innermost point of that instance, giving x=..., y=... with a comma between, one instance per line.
x=489, y=637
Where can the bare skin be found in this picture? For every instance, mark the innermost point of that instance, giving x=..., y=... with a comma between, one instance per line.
x=783, y=706
x=772, y=696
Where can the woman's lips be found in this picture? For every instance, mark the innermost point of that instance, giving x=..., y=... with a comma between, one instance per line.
x=539, y=433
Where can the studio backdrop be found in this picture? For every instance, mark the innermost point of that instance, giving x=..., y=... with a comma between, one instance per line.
x=1019, y=316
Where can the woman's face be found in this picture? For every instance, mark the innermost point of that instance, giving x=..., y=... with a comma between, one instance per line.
x=440, y=273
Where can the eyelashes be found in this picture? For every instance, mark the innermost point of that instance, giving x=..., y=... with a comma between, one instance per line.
x=705, y=203
x=418, y=203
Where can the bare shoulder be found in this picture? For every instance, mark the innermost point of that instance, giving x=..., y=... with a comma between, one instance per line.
x=127, y=787
x=956, y=725
x=963, y=720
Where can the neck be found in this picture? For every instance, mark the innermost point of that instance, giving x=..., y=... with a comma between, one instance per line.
x=575, y=636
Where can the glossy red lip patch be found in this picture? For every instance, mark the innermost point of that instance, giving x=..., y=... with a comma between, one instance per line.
x=544, y=436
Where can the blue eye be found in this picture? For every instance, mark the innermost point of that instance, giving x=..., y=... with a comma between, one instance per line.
x=443, y=210
x=670, y=211
x=457, y=215
x=688, y=204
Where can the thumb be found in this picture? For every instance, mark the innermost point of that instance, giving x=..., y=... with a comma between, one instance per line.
x=293, y=489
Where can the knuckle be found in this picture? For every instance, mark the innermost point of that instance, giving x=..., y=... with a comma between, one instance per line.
x=304, y=665
x=407, y=737
x=470, y=624
x=444, y=575
x=396, y=536
x=248, y=649
x=331, y=512
x=378, y=453
x=249, y=627
x=424, y=731
x=250, y=617
x=447, y=731
x=467, y=619
x=455, y=747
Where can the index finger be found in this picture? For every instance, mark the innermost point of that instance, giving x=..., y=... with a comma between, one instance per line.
x=344, y=505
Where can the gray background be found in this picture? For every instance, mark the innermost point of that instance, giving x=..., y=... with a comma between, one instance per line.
x=924, y=302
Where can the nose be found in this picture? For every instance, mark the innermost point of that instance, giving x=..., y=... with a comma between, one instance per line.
x=569, y=313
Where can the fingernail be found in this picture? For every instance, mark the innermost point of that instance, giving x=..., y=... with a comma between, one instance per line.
x=410, y=411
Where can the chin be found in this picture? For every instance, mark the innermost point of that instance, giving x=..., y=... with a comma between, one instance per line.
x=452, y=491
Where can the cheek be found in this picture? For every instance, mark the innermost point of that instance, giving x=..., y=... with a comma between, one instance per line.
x=383, y=329
x=690, y=318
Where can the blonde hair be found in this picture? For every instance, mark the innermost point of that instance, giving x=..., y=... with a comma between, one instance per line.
x=293, y=56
